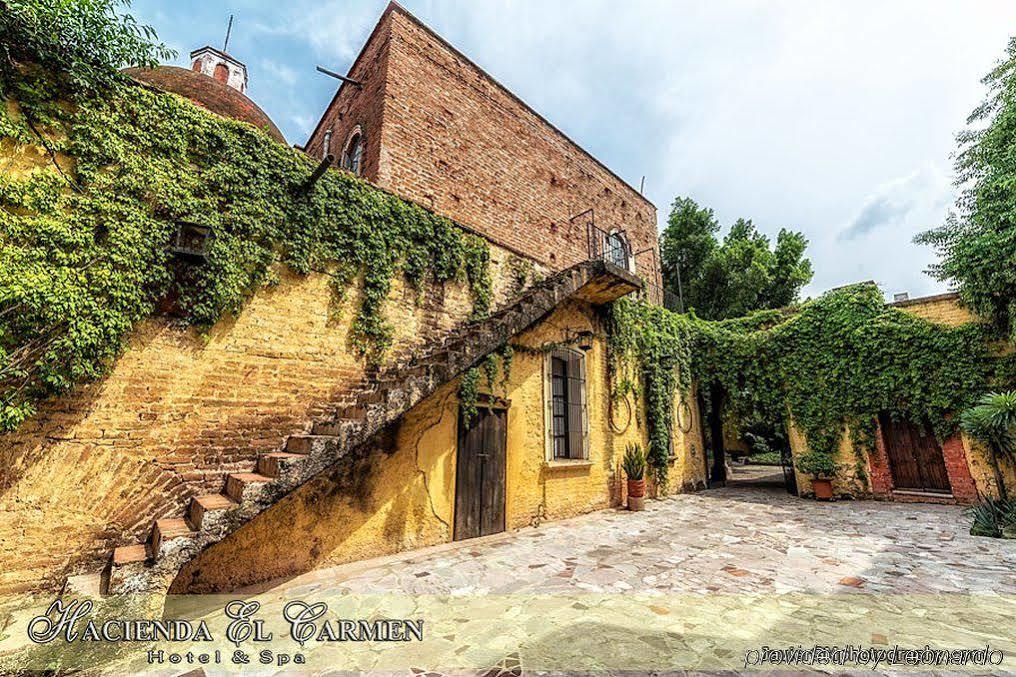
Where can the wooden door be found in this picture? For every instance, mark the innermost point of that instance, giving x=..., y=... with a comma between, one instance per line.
x=480, y=474
x=915, y=457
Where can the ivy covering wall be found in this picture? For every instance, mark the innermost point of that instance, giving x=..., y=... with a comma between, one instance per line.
x=832, y=364
x=85, y=236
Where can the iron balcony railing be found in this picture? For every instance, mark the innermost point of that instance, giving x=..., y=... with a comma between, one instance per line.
x=613, y=248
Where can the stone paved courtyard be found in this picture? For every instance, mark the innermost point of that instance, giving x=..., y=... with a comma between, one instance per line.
x=736, y=540
x=697, y=582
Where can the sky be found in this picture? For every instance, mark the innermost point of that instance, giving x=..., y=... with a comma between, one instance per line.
x=834, y=118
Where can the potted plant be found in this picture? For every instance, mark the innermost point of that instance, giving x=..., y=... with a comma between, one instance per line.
x=822, y=469
x=634, y=465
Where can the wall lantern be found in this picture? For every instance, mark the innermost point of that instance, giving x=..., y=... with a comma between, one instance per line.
x=585, y=339
x=191, y=240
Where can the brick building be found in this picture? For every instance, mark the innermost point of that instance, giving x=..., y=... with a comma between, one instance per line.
x=422, y=120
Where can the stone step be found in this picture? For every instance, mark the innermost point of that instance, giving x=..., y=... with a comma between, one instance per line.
x=354, y=412
x=271, y=465
x=129, y=554
x=303, y=444
x=83, y=585
x=237, y=484
x=206, y=504
x=341, y=428
x=168, y=529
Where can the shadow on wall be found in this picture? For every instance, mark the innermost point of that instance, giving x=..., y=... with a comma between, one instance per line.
x=179, y=412
x=381, y=504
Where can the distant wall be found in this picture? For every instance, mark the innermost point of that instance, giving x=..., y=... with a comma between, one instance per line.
x=941, y=308
x=966, y=460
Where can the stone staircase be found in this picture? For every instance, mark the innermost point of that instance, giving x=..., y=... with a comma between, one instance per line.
x=376, y=403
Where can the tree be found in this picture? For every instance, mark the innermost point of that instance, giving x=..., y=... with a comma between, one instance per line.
x=735, y=277
x=85, y=40
x=688, y=241
x=977, y=242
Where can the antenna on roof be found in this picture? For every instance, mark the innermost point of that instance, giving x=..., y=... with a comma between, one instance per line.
x=229, y=29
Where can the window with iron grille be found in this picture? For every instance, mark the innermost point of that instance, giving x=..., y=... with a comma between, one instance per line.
x=617, y=251
x=567, y=424
x=352, y=155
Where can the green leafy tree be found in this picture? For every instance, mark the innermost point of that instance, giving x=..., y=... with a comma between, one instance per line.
x=977, y=242
x=85, y=40
x=688, y=241
x=739, y=275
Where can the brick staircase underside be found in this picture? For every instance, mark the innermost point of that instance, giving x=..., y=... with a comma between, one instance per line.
x=152, y=565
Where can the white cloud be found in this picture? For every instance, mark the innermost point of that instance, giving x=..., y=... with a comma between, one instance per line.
x=304, y=123
x=824, y=117
x=797, y=114
x=280, y=72
x=921, y=195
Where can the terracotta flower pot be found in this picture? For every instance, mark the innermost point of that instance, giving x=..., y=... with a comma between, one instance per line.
x=637, y=488
x=823, y=489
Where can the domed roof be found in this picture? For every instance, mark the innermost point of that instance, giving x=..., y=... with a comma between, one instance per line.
x=208, y=93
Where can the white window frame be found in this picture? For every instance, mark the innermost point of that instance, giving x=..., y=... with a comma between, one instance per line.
x=548, y=404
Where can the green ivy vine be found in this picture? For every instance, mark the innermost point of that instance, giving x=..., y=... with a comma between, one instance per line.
x=488, y=371
x=650, y=353
x=85, y=244
x=832, y=364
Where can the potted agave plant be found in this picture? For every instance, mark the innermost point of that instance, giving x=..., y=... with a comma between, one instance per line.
x=822, y=469
x=634, y=465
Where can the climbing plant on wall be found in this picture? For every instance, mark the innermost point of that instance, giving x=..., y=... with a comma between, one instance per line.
x=650, y=352
x=832, y=364
x=85, y=233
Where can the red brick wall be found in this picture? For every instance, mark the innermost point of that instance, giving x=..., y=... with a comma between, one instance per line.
x=353, y=106
x=455, y=141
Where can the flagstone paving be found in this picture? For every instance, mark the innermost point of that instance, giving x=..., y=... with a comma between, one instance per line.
x=695, y=582
x=742, y=541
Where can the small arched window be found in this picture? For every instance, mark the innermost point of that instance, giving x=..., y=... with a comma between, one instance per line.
x=221, y=73
x=617, y=251
x=352, y=154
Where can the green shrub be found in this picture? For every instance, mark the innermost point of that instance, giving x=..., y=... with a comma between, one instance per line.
x=85, y=257
x=817, y=464
x=993, y=420
x=995, y=518
x=765, y=458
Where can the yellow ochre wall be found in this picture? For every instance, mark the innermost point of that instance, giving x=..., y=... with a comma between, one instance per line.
x=179, y=412
x=403, y=495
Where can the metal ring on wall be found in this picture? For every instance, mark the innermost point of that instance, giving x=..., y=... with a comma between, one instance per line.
x=684, y=416
x=620, y=411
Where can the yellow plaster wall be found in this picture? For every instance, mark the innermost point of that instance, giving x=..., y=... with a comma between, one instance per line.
x=400, y=497
x=179, y=412
x=941, y=309
x=848, y=482
x=403, y=495
x=539, y=490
